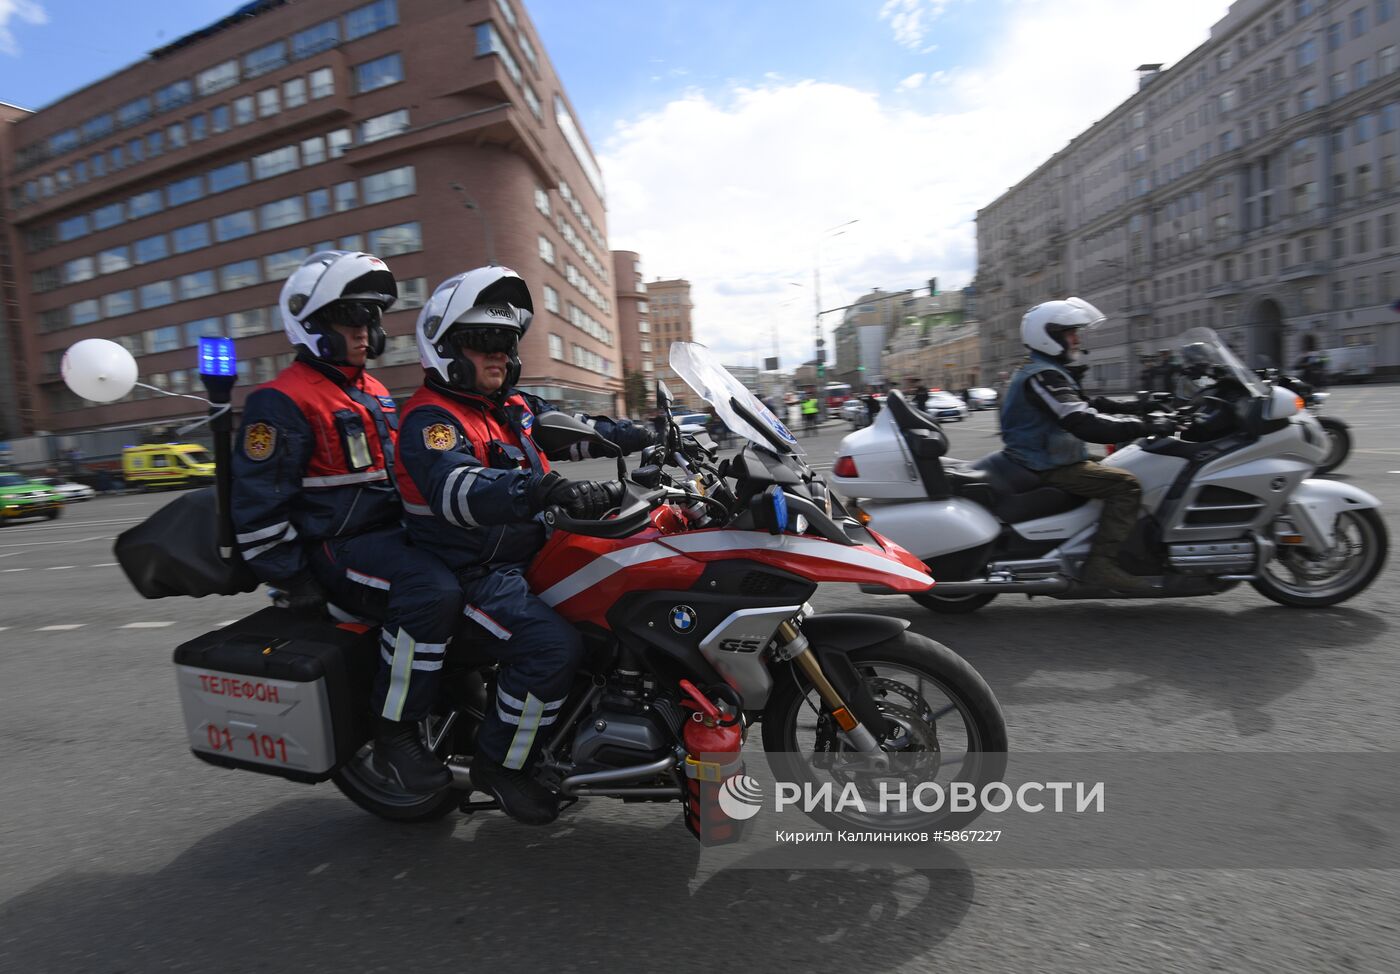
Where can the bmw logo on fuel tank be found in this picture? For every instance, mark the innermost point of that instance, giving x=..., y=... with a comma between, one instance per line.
x=682, y=618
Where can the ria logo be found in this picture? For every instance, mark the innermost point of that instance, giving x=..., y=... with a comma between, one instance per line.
x=740, y=797
x=682, y=618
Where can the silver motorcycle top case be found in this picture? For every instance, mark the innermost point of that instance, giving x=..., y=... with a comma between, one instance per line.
x=278, y=692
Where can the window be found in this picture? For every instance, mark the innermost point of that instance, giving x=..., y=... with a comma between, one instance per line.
x=346, y=196
x=203, y=328
x=98, y=162
x=574, y=138
x=155, y=144
x=1358, y=22
x=243, y=273
x=1385, y=61
x=391, y=241
x=1339, y=295
x=175, y=135
x=1363, y=130
x=1335, y=36
x=275, y=163
x=1339, y=245
x=1361, y=239
x=528, y=50
x=379, y=73
x=217, y=78
x=281, y=213
x=264, y=59
x=318, y=203
x=228, y=177
x=389, y=185
x=1307, y=53
x=314, y=40
x=83, y=312
x=413, y=293
x=192, y=237
x=73, y=228
x=184, y=191
x=108, y=216
x=338, y=141
x=371, y=18
x=556, y=347
x=551, y=298
x=232, y=226
x=1361, y=74
x=151, y=249
x=488, y=41
x=241, y=324
x=157, y=295
x=113, y=260
x=1363, y=291
x=353, y=242
x=383, y=126
x=1387, y=230
x=1337, y=86
x=322, y=82
x=533, y=100
x=294, y=92
x=1309, y=253
x=118, y=303
x=279, y=266
x=162, y=340
x=313, y=151
x=219, y=119
x=243, y=110
x=546, y=250
x=80, y=269
x=1385, y=9
x=542, y=200
x=134, y=112
x=172, y=95
x=199, y=284
x=269, y=103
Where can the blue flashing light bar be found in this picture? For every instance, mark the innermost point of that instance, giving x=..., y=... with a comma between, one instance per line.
x=216, y=357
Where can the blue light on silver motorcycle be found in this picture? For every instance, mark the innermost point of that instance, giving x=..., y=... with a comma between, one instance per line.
x=780, y=511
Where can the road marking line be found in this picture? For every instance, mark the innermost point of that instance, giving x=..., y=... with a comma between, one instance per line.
x=8, y=570
x=105, y=564
x=318, y=870
x=65, y=628
x=59, y=568
x=226, y=622
x=146, y=625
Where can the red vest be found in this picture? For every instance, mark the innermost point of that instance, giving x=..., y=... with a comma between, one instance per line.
x=320, y=398
x=481, y=422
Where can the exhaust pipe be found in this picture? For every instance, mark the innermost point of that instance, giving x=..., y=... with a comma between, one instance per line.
x=614, y=776
x=461, y=768
x=1030, y=586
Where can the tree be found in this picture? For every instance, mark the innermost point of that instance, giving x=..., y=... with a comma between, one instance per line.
x=635, y=392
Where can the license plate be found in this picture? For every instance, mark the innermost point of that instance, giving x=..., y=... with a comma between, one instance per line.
x=279, y=723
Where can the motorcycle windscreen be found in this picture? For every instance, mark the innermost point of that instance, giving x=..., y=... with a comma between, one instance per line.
x=713, y=383
x=175, y=551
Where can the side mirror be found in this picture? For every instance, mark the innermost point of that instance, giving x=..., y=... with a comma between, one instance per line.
x=557, y=431
x=664, y=399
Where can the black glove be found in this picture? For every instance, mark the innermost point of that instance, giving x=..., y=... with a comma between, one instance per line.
x=1160, y=425
x=583, y=499
x=302, y=594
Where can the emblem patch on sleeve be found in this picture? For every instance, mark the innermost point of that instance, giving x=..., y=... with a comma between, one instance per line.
x=439, y=436
x=259, y=440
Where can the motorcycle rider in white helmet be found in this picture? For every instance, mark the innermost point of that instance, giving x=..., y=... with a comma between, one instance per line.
x=1046, y=420
x=474, y=483
x=314, y=506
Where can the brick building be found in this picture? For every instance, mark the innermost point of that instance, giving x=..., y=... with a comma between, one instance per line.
x=171, y=200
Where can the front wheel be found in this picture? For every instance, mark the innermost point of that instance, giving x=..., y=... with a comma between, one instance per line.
x=1299, y=578
x=1338, y=443
x=943, y=724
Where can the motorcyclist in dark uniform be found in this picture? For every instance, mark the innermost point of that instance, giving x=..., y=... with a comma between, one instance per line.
x=314, y=507
x=474, y=483
x=1046, y=419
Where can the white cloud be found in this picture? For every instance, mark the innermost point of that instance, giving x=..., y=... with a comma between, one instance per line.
x=28, y=11
x=913, y=81
x=731, y=190
x=909, y=19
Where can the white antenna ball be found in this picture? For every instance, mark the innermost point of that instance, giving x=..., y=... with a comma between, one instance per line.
x=98, y=370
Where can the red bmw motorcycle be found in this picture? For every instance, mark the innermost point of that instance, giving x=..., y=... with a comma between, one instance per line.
x=692, y=598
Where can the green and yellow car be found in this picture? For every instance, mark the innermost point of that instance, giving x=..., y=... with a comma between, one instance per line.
x=21, y=497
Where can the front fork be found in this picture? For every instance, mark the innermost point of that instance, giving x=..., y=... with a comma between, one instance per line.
x=794, y=646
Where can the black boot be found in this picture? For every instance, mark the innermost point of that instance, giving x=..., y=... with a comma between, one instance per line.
x=518, y=793
x=399, y=754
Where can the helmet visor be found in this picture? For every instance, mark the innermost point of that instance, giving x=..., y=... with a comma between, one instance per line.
x=351, y=314
x=486, y=341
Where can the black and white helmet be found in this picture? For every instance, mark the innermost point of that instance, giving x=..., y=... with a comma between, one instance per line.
x=485, y=298
x=1043, y=325
x=328, y=277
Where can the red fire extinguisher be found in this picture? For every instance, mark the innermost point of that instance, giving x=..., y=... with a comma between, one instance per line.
x=713, y=739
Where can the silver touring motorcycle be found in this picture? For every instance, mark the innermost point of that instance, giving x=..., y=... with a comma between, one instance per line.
x=1228, y=499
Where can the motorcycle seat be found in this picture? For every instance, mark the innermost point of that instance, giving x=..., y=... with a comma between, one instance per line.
x=1009, y=490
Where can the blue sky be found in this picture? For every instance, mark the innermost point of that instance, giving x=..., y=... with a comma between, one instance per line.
x=732, y=134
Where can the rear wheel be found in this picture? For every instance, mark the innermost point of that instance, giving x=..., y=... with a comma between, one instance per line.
x=359, y=781
x=1298, y=578
x=943, y=724
x=952, y=604
x=1338, y=443
x=55, y=512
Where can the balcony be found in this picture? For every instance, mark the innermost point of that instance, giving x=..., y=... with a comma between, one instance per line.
x=1296, y=272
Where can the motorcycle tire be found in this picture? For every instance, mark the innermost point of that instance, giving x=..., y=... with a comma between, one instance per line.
x=953, y=604
x=358, y=781
x=1339, y=443
x=933, y=662
x=1374, y=546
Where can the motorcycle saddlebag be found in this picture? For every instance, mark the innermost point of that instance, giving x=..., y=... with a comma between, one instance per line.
x=279, y=692
x=175, y=551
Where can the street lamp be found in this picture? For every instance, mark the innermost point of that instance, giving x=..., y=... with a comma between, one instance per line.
x=835, y=231
x=471, y=204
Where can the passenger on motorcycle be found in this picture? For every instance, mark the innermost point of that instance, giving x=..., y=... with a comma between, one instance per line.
x=1046, y=419
x=313, y=501
x=474, y=484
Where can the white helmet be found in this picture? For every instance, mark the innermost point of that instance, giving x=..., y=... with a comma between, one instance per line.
x=1042, y=325
x=323, y=279
x=486, y=298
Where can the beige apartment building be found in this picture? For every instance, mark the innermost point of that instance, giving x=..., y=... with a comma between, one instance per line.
x=1251, y=188
x=669, y=308
x=634, y=331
